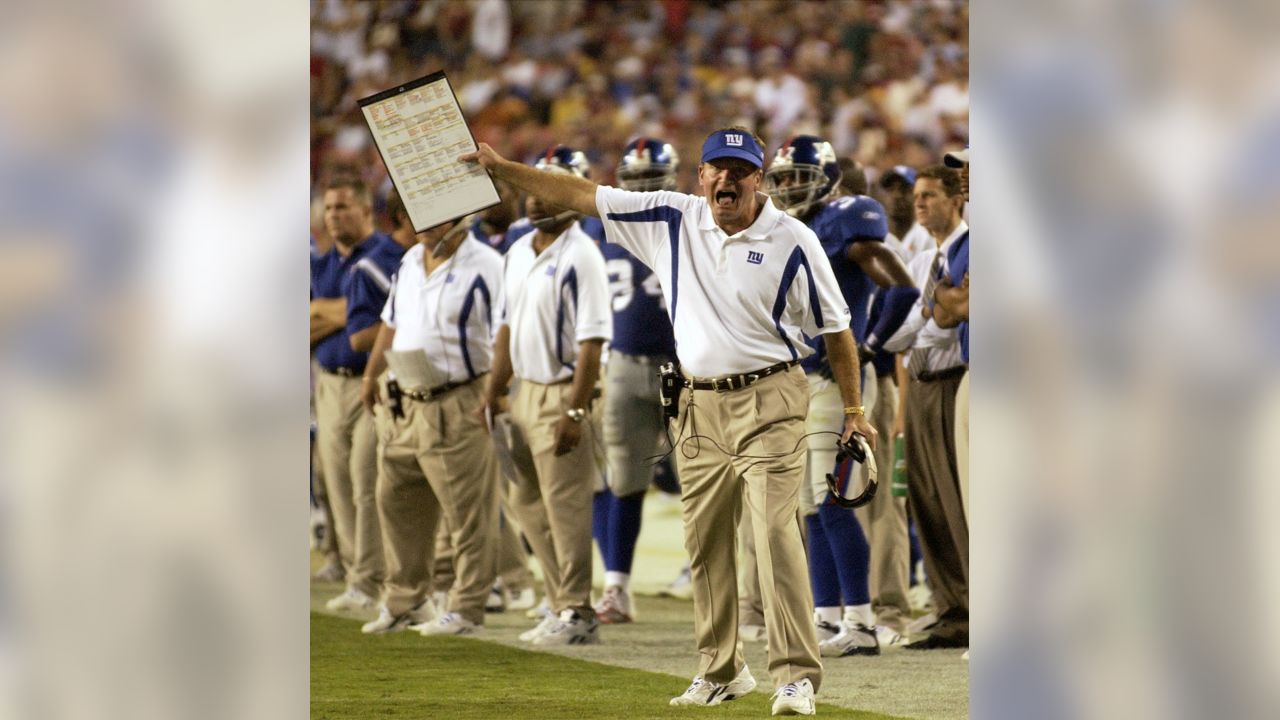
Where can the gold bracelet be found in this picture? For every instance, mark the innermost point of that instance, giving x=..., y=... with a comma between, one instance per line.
x=855, y=410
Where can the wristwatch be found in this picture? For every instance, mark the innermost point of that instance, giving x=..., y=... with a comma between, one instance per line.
x=576, y=414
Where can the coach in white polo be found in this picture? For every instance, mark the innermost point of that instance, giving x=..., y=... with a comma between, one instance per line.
x=437, y=458
x=556, y=317
x=742, y=282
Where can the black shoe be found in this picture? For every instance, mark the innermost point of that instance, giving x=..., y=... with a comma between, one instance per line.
x=933, y=642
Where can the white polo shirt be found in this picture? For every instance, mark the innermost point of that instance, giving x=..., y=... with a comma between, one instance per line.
x=450, y=314
x=943, y=345
x=738, y=303
x=552, y=301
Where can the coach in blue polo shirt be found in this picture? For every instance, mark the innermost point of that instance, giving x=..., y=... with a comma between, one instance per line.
x=744, y=283
x=345, y=284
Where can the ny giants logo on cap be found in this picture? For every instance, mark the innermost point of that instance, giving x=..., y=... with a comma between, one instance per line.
x=733, y=139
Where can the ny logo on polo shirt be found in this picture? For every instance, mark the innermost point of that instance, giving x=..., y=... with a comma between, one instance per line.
x=551, y=271
x=733, y=139
x=755, y=258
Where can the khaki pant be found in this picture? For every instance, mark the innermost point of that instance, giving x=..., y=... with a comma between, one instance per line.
x=934, y=493
x=750, y=600
x=885, y=521
x=345, y=436
x=765, y=419
x=962, y=440
x=513, y=458
x=438, y=460
x=553, y=502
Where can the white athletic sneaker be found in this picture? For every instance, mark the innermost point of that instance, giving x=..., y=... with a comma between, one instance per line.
x=794, y=699
x=705, y=692
x=352, y=599
x=388, y=623
x=451, y=624
x=497, y=600
x=539, y=629
x=826, y=630
x=542, y=610
x=522, y=600
x=682, y=587
x=615, y=607
x=571, y=629
x=856, y=639
x=752, y=633
x=888, y=637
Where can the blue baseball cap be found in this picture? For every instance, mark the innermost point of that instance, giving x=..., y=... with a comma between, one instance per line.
x=735, y=144
x=905, y=172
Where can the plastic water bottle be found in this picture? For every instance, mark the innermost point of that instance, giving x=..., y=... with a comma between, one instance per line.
x=898, y=484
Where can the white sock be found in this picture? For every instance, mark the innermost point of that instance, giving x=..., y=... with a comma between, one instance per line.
x=827, y=614
x=621, y=579
x=854, y=614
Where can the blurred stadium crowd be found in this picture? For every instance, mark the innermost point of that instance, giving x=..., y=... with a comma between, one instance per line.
x=885, y=82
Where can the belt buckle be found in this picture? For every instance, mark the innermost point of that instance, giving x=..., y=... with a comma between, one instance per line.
x=722, y=384
x=751, y=379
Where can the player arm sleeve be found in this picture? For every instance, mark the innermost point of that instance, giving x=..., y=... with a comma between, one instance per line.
x=594, y=313
x=815, y=290
x=898, y=301
x=641, y=222
x=365, y=301
x=388, y=315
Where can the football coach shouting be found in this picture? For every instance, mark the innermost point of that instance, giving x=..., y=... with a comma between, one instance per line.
x=742, y=282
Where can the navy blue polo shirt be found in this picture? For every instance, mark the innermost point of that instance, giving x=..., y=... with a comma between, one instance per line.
x=333, y=276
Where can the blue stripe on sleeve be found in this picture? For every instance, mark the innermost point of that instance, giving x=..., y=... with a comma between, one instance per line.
x=477, y=286
x=794, y=263
x=672, y=217
x=571, y=280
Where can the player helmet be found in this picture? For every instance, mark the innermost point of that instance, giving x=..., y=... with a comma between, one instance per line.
x=803, y=172
x=855, y=467
x=648, y=164
x=562, y=158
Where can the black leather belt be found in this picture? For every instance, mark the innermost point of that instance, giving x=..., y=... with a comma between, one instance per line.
x=947, y=374
x=437, y=391
x=344, y=372
x=737, y=382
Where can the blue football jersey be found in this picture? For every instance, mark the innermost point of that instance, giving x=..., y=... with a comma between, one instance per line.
x=640, y=322
x=838, y=224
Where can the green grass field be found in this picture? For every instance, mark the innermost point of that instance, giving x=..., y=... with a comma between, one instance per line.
x=632, y=673
x=408, y=676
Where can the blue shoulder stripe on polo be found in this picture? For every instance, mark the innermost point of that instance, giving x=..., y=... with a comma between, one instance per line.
x=794, y=263
x=478, y=286
x=672, y=217
x=570, y=280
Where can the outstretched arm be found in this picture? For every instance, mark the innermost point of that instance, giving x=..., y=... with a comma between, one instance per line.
x=567, y=191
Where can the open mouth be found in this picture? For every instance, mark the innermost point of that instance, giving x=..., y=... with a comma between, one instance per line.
x=726, y=198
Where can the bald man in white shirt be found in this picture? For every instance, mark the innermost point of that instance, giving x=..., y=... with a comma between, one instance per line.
x=742, y=282
x=437, y=460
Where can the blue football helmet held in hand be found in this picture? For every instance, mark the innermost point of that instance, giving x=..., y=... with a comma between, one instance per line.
x=804, y=172
x=648, y=164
